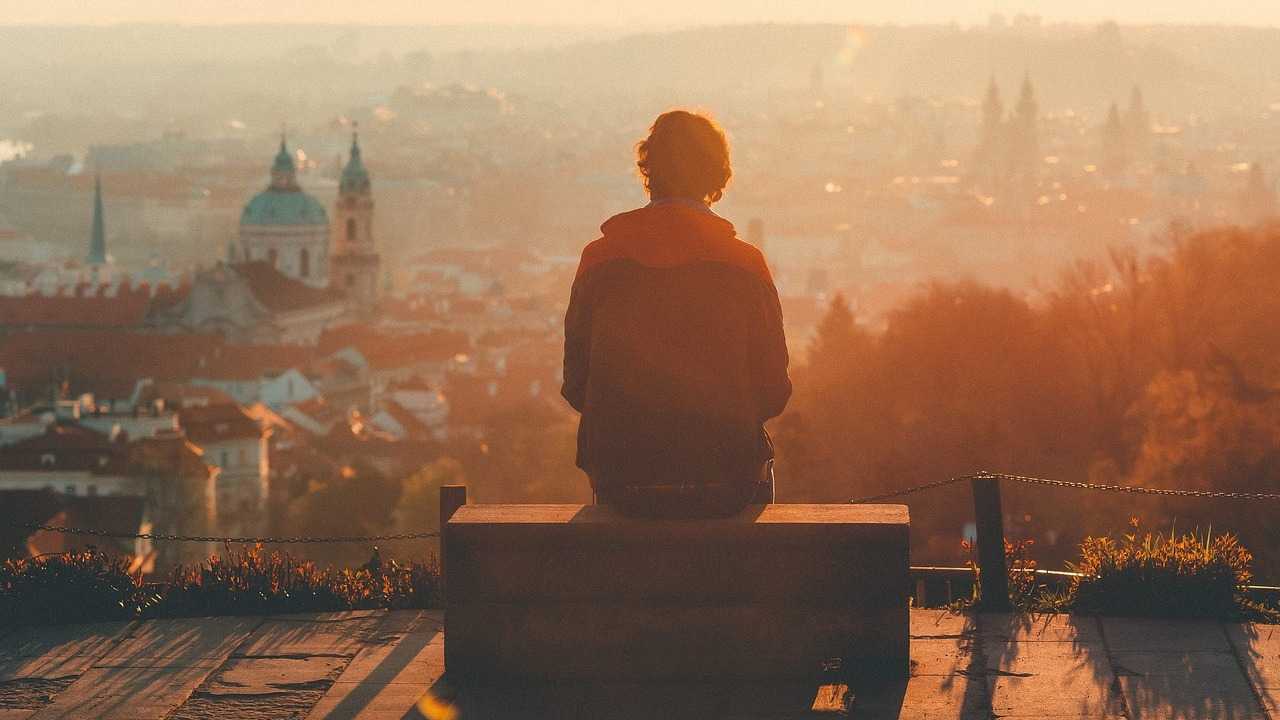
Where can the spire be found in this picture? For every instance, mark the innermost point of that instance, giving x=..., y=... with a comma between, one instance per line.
x=355, y=178
x=284, y=160
x=1115, y=142
x=1028, y=109
x=284, y=173
x=1138, y=119
x=992, y=107
x=98, y=235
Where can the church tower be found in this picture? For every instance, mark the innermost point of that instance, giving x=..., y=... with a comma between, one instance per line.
x=98, y=233
x=988, y=157
x=355, y=262
x=1024, y=141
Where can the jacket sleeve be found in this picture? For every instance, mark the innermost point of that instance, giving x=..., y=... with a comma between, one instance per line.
x=769, y=355
x=577, y=345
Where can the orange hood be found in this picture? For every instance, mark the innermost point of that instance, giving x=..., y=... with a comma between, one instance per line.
x=671, y=235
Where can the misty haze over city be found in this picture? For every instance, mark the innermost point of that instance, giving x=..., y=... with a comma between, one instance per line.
x=330, y=250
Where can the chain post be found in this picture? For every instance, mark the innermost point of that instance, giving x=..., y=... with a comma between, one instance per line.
x=988, y=515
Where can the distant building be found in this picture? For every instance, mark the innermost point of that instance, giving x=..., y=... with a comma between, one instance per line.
x=282, y=284
x=235, y=445
x=355, y=264
x=252, y=303
x=1008, y=149
x=285, y=227
x=156, y=484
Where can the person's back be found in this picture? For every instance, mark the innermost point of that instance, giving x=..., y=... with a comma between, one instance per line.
x=674, y=351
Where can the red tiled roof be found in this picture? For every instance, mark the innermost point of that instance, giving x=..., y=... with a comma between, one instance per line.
x=389, y=351
x=72, y=446
x=280, y=293
x=217, y=423
x=178, y=394
x=127, y=309
x=250, y=362
x=100, y=356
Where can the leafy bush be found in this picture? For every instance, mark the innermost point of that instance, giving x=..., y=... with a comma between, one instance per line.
x=256, y=582
x=87, y=584
x=91, y=585
x=1185, y=576
x=1028, y=591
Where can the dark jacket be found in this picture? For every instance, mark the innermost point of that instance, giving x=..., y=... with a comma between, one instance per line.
x=674, y=351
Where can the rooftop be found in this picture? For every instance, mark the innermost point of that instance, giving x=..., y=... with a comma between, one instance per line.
x=377, y=664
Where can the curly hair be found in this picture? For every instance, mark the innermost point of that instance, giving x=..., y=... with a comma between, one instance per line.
x=685, y=155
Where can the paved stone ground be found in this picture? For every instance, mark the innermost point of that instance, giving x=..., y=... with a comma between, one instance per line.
x=378, y=665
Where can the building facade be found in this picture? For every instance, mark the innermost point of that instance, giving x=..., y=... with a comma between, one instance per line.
x=286, y=227
x=355, y=264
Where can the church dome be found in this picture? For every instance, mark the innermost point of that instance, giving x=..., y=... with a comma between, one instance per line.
x=276, y=207
x=283, y=202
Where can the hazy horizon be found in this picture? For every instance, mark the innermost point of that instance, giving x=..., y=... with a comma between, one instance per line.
x=653, y=13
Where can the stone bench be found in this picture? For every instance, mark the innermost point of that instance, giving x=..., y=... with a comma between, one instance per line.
x=578, y=592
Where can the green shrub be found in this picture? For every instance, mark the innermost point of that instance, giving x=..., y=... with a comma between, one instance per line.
x=1185, y=576
x=90, y=585
x=75, y=586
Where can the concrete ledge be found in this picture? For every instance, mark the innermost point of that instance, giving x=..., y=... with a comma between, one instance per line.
x=577, y=592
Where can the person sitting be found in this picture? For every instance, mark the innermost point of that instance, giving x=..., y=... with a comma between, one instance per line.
x=674, y=350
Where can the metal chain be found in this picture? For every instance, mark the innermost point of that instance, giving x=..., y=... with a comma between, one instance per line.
x=1030, y=480
x=210, y=538
x=1135, y=489
x=1025, y=479
x=910, y=490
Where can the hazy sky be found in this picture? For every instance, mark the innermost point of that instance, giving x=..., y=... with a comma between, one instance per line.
x=652, y=12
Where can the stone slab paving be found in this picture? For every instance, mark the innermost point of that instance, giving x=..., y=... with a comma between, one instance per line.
x=1258, y=649
x=404, y=657
x=313, y=634
x=376, y=665
x=57, y=651
x=1050, y=666
x=150, y=669
x=37, y=664
x=283, y=668
x=1171, y=669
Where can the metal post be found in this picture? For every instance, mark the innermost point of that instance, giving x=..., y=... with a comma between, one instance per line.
x=989, y=517
x=452, y=497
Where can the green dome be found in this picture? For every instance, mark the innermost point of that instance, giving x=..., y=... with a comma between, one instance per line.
x=274, y=207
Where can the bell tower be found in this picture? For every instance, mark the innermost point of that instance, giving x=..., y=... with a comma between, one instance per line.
x=354, y=264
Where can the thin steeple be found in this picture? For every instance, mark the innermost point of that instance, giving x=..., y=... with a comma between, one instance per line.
x=284, y=173
x=355, y=178
x=98, y=235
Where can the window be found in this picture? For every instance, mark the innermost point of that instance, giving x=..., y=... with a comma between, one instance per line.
x=304, y=261
x=92, y=490
x=70, y=489
x=47, y=460
x=225, y=457
x=351, y=230
x=351, y=280
x=242, y=457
